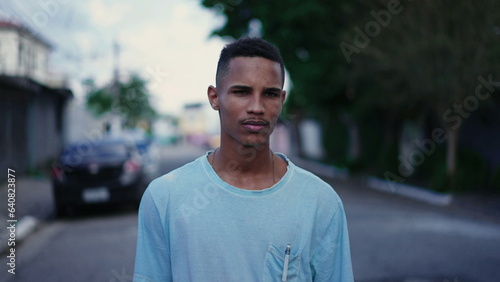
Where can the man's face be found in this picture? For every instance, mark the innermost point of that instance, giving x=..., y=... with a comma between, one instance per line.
x=249, y=99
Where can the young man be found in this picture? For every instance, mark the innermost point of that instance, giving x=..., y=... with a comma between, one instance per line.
x=242, y=212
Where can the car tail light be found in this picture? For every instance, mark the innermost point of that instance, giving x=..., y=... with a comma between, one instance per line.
x=58, y=173
x=130, y=166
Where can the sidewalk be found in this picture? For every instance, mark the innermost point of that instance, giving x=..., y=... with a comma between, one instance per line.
x=485, y=205
x=33, y=203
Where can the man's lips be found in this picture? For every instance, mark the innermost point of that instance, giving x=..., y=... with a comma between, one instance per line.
x=254, y=125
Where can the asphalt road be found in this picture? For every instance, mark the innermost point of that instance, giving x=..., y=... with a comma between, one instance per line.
x=95, y=247
x=398, y=239
x=392, y=239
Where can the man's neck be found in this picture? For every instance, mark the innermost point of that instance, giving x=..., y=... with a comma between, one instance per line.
x=245, y=167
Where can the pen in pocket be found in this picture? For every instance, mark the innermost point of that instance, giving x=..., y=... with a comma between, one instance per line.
x=285, y=266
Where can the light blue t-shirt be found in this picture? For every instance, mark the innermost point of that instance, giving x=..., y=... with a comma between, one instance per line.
x=193, y=226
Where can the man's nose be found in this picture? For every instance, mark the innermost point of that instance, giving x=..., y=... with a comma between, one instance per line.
x=256, y=104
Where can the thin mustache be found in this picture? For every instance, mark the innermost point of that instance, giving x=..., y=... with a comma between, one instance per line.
x=255, y=120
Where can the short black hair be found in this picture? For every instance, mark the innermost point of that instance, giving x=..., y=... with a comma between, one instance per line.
x=248, y=47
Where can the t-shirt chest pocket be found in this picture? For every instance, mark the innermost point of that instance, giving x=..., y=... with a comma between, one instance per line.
x=275, y=264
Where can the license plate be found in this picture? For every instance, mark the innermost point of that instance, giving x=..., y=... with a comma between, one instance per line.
x=96, y=195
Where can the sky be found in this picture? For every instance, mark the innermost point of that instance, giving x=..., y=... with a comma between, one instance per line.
x=166, y=42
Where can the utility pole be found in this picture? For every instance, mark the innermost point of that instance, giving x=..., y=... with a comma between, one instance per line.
x=116, y=67
x=116, y=121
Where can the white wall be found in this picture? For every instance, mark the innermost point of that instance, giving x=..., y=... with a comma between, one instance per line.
x=21, y=54
x=8, y=51
x=311, y=137
x=80, y=124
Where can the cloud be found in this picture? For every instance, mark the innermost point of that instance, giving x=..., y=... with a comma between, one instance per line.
x=179, y=50
x=107, y=15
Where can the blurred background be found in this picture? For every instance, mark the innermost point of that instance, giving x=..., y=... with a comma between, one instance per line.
x=399, y=96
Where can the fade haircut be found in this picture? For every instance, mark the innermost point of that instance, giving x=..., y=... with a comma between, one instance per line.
x=248, y=47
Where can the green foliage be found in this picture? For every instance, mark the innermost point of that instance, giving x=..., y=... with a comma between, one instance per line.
x=99, y=101
x=129, y=99
x=335, y=141
x=372, y=136
x=429, y=53
x=472, y=174
x=387, y=161
x=134, y=102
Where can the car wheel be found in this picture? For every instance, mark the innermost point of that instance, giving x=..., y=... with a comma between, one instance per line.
x=60, y=211
x=64, y=211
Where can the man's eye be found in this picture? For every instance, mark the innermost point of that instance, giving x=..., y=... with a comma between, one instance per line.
x=272, y=94
x=240, y=92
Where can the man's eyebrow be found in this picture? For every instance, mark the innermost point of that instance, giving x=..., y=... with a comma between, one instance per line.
x=273, y=89
x=244, y=87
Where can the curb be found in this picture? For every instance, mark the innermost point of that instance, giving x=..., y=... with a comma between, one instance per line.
x=391, y=187
x=24, y=227
x=413, y=192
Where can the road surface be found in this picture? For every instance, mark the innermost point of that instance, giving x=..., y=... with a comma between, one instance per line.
x=392, y=239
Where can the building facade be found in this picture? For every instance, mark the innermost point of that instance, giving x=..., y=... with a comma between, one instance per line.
x=32, y=105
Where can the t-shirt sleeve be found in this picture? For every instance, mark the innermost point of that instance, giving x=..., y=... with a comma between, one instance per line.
x=332, y=259
x=152, y=261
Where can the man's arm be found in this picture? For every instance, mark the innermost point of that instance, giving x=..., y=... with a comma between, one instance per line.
x=152, y=261
x=332, y=259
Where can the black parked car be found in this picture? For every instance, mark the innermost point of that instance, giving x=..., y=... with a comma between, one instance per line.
x=107, y=171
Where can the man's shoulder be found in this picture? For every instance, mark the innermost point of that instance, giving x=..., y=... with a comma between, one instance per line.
x=178, y=178
x=311, y=184
x=304, y=175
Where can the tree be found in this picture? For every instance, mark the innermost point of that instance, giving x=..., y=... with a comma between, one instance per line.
x=129, y=99
x=433, y=56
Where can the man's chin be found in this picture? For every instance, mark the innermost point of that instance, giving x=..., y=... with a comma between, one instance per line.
x=255, y=143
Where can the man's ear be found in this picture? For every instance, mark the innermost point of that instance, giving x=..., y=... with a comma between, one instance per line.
x=283, y=97
x=213, y=97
